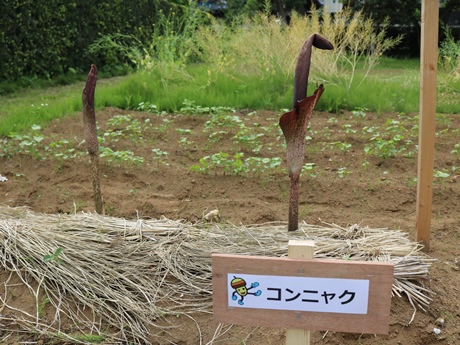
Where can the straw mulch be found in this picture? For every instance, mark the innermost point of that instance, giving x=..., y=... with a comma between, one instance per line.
x=120, y=277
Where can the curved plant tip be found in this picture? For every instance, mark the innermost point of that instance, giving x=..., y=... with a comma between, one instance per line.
x=302, y=69
x=294, y=123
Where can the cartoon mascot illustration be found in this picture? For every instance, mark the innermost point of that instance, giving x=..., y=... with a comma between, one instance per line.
x=239, y=284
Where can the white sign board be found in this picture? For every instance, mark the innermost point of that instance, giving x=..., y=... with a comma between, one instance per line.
x=334, y=295
x=327, y=295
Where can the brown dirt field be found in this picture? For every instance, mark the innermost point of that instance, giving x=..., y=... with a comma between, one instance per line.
x=346, y=186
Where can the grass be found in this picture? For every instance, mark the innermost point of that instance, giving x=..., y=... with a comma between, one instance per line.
x=394, y=88
x=246, y=65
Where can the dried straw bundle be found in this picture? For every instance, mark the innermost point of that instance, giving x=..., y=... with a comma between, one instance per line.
x=128, y=274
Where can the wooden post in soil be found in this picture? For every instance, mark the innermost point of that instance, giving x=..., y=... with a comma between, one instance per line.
x=90, y=131
x=294, y=123
x=427, y=123
x=299, y=250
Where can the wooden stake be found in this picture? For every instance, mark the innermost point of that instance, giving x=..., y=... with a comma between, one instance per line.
x=299, y=250
x=428, y=70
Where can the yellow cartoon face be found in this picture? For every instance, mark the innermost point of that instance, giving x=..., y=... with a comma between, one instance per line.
x=242, y=291
x=239, y=284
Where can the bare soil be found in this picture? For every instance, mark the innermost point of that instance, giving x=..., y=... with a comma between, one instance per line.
x=346, y=186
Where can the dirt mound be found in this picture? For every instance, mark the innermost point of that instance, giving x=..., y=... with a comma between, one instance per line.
x=360, y=168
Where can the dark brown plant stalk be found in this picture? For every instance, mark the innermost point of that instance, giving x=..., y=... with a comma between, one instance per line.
x=90, y=131
x=294, y=123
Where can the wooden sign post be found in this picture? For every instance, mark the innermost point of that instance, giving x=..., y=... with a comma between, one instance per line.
x=299, y=250
x=428, y=70
x=302, y=294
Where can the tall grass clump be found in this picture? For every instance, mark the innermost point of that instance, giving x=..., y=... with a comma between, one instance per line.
x=357, y=45
x=449, y=54
x=449, y=66
x=170, y=46
x=260, y=47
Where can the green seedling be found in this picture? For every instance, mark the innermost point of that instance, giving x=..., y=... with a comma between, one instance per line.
x=119, y=157
x=124, y=126
x=92, y=338
x=441, y=176
x=54, y=257
x=42, y=305
x=359, y=113
x=148, y=107
x=342, y=172
x=160, y=156
x=309, y=168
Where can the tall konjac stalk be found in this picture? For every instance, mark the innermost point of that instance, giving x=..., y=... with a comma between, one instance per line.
x=294, y=123
x=90, y=130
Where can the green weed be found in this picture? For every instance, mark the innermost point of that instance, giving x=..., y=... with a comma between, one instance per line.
x=120, y=157
x=342, y=172
x=41, y=307
x=236, y=165
x=160, y=156
x=54, y=257
x=456, y=149
x=91, y=338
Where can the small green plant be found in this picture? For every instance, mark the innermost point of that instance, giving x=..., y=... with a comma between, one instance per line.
x=185, y=143
x=120, y=157
x=359, y=113
x=183, y=131
x=24, y=143
x=411, y=182
x=163, y=128
x=42, y=305
x=342, y=172
x=265, y=165
x=215, y=137
x=124, y=126
x=54, y=257
x=441, y=176
x=223, y=120
x=148, y=107
x=160, y=156
x=342, y=146
x=235, y=165
x=91, y=338
x=456, y=149
x=250, y=140
x=190, y=108
x=63, y=150
x=309, y=168
x=384, y=148
x=348, y=129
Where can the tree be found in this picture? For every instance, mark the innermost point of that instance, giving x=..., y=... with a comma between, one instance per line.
x=281, y=8
x=404, y=17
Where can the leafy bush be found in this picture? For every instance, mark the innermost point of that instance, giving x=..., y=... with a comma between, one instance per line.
x=48, y=38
